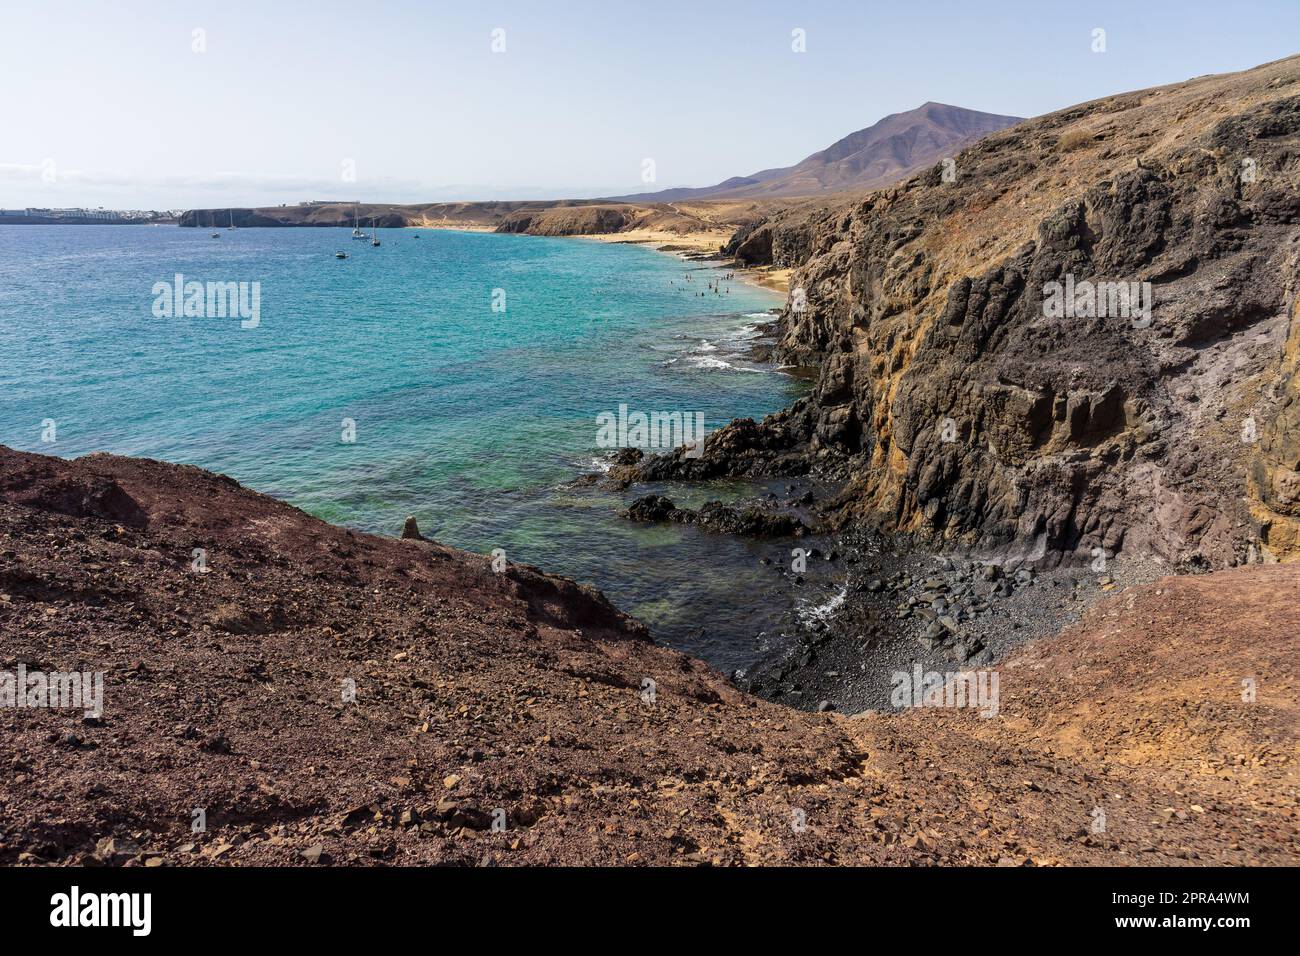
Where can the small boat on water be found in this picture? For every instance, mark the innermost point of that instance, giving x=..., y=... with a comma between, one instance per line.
x=357, y=231
x=232, y=220
x=374, y=234
x=340, y=254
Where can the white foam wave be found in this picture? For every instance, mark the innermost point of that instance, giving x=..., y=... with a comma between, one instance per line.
x=708, y=361
x=826, y=610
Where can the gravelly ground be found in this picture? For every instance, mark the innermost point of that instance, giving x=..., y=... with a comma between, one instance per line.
x=515, y=696
x=867, y=607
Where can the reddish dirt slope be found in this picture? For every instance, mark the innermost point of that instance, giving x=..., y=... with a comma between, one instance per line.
x=478, y=691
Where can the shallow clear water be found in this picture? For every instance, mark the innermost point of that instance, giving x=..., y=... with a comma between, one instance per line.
x=473, y=420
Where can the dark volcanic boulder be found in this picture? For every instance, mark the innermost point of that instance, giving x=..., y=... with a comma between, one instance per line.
x=742, y=448
x=718, y=517
x=651, y=508
x=750, y=522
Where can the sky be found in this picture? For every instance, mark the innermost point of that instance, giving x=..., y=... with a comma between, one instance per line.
x=178, y=104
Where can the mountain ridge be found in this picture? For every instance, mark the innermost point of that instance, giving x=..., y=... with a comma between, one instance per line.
x=890, y=149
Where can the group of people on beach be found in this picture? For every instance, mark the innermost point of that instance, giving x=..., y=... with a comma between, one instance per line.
x=714, y=285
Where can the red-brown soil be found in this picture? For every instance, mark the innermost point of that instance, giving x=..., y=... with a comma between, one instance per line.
x=477, y=690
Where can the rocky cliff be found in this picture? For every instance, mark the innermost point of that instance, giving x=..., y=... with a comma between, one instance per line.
x=962, y=396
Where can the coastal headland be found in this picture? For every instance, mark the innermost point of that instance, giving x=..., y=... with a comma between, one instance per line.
x=697, y=229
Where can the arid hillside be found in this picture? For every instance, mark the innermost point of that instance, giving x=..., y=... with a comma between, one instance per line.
x=961, y=395
x=314, y=695
x=716, y=221
x=460, y=215
x=879, y=155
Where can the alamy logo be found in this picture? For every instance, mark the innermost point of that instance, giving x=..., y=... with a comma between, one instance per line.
x=1098, y=300
x=655, y=430
x=208, y=300
x=74, y=909
x=83, y=690
x=975, y=689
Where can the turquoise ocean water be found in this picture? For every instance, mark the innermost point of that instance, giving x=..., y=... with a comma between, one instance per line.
x=474, y=420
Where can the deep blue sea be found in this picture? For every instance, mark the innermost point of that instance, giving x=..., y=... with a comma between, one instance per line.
x=475, y=420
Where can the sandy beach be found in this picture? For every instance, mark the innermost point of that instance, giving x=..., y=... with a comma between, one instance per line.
x=694, y=244
x=706, y=241
x=458, y=225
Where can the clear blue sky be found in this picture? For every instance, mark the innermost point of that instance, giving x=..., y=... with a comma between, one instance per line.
x=113, y=96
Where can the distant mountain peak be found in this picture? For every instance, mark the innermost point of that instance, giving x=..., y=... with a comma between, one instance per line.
x=889, y=150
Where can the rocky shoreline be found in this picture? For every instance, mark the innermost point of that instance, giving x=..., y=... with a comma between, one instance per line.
x=954, y=408
x=989, y=472
x=863, y=605
x=880, y=607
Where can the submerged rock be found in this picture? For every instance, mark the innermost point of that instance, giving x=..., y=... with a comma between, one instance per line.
x=718, y=517
x=651, y=508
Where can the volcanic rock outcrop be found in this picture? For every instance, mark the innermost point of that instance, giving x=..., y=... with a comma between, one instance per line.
x=718, y=517
x=961, y=395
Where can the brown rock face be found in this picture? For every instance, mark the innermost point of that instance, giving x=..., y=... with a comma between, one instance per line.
x=1274, y=473
x=989, y=367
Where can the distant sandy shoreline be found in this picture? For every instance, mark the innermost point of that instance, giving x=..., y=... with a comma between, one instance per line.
x=688, y=246
x=698, y=243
